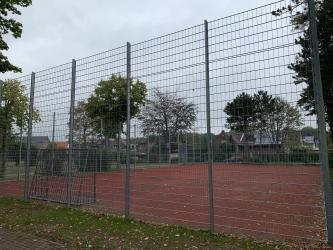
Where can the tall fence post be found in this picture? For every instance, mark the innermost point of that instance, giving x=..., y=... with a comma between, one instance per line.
x=135, y=145
x=28, y=162
x=159, y=148
x=209, y=135
x=148, y=153
x=70, y=143
x=320, y=110
x=53, y=146
x=100, y=148
x=20, y=151
x=169, y=146
x=1, y=86
x=128, y=134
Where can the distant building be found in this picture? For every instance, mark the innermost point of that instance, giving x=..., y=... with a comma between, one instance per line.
x=246, y=146
x=61, y=144
x=310, y=142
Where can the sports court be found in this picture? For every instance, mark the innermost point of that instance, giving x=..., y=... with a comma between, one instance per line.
x=263, y=201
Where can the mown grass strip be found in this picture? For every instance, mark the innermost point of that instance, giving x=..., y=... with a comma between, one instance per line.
x=82, y=230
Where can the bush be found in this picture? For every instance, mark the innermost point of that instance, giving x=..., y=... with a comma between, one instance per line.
x=294, y=156
x=330, y=150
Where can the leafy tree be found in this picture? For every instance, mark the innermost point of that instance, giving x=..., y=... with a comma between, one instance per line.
x=241, y=114
x=310, y=131
x=264, y=104
x=263, y=114
x=303, y=64
x=167, y=115
x=83, y=129
x=108, y=104
x=8, y=25
x=14, y=112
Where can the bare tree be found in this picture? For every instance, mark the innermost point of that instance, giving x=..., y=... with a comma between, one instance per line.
x=167, y=115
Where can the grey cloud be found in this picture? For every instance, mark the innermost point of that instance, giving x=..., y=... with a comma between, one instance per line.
x=57, y=31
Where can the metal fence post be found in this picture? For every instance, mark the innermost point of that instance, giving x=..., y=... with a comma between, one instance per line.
x=169, y=146
x=320, y=110
x=100, y=149
x=148, y=153
x=186, y=151
x=20, y=151
x=70, y=143
x=159, y=148
x=128, y=134
x=209, y=135
x=52, y=153
x=178, y=147
x=95, y=171
x=28, y=162
x=193, y=147
x=1, y=86
x=135, y=145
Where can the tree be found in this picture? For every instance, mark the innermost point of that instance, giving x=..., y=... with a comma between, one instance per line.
x=83, y=128
x=14, y=112
x=310, y=131
x=283, y=121
x=8, y=25
x=264, y=104
x=108, y=104
x=167, y=115
x=303, y=64
x=264, y=115
x=241, y=114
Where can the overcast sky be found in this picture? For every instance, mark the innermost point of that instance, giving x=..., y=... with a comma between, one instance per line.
x=55, y=32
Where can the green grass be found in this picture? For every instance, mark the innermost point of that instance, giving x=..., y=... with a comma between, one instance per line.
x=83, y=230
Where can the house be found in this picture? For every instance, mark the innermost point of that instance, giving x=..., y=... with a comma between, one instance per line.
x=249, y=147
x=246, y=146
x=61, y=144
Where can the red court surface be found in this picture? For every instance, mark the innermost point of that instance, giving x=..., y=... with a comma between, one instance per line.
x=261, y=201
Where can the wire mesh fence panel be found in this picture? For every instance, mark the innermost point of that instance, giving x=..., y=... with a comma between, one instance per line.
x=13, y=130
x=221, y=135
x=49, y=138
x=99, y=119
x=166, y=186
x=266, y=176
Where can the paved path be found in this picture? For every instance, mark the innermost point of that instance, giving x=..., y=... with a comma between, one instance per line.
x=16, y=241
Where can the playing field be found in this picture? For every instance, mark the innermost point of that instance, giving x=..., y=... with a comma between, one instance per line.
x=263, y=201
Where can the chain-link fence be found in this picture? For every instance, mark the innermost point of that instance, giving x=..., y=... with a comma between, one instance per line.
x=203, y=127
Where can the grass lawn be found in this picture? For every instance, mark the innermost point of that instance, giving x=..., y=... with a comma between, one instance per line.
x=84, y=230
